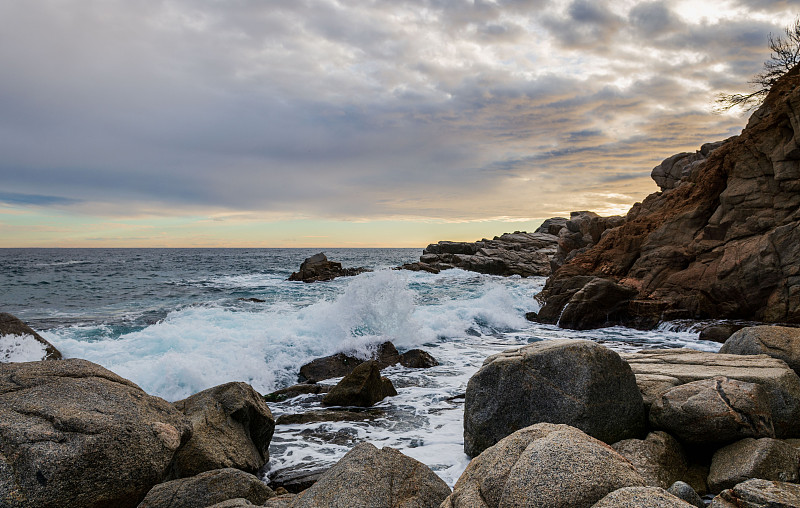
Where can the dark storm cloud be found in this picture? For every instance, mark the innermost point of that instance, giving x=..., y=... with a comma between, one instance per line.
x=359, y=109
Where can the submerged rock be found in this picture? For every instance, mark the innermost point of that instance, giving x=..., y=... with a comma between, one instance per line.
x=417, y=359
x=367, y=476
x=75, y=434
x=20, y=343
x=329, y=415
x=576, y=382
x=208, y=488
x=341, y=364
x=776, y=341
x=362, y=387
x=293, y=391
x=317, y=268
x=232, y=428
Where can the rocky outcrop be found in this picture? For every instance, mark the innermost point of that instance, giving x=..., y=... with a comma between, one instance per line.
x=644, y=497
x=714, y=411
x=417, y=359
x=659, y=458
x=341, y=364
x=687, y=365
x=367, y=476
x=20, y=343
x=580, y=232
x=679, y=167
x=576, y=382
x=362, y=387
x=232, y=428
x=317, y=268
x=759, y=493
x=765, y=458
x=723, y=242
x=75, y=434
x=544, y=465
x=776, y=341
x=518, y=253
x=208, y=488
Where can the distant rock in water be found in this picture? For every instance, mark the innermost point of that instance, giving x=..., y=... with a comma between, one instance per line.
x=20, y=343
x=721, y=240
x=318, y=268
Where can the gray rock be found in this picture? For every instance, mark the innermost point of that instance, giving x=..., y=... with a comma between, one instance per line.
x=659, y=458
x=776, y=341
x=552, y=226
x=687, y=365
x=641, y=497
x=232, y=428
x=317, y=268
x=293, y=391
x=714, y=411
x=342, y=364
x=417, y=359
x=207, y=489
x=298, y=478
x=653, y=385
x=759, y=493
x=12, y=326
x=543, y=466
x=369, y=477
x=684, y=491
x=719, y=332
x=362, y=387
x=75, y=434
x=765, y=458
x=576, y=382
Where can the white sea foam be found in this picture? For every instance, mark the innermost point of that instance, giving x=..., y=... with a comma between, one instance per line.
x=21, y=348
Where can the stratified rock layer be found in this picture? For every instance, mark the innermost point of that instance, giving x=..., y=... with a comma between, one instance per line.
x=722, y=242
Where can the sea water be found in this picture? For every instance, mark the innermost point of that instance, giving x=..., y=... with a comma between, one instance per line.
x=178, y=321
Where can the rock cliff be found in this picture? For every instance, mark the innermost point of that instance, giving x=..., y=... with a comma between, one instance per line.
x=721, y=240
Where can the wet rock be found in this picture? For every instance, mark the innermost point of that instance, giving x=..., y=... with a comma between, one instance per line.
x=765, y=458
x=684, y=491
x=687, y=365
x=75, y=434
x=367, y=476
x=419, y=266
x=598, y=303
x=232, y=428
x=362, y=387
x=659, y=458
x=207, y=489
x=16, y=336
x=251, y=300
x=298, y=478
x=714, y=411
x=719, y=332
x=544, y=465
x=576, y=382
x=641, y=497
x=417, y=359
x=759, y=493
x=780, y=342
x=317, y=268
x=293, y=391
x=329, y=415
x=341, y=364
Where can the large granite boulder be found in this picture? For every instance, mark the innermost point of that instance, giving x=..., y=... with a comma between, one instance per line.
x=659, y=458
x=232, y=428
x=723, y=241
x=714, y=411
x=758, y=493
x=641, y=497
x=208, y=488
x=576, y=382
x=362, y=387
x=542, y=466
x=776, y=341
x=341, y=364
x=20, y=343
x=317, y=268
x=687, y=365
x=75, y=434
x=765, y=458
x=369, y=477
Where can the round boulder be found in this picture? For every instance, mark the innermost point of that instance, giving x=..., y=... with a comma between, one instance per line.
x=575, y=382
x=765, y=458
x=776, y=341
x=362, y=387
x=641, y=497
x=206, y=489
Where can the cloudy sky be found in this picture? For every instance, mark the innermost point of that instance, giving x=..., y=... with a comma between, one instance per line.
x=352, y=123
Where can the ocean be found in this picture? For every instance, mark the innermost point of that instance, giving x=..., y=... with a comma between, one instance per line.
x=178, y=321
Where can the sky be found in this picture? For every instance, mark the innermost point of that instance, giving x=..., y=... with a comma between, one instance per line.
x=359, y=123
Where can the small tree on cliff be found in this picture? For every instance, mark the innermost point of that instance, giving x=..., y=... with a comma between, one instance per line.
x=784, y=56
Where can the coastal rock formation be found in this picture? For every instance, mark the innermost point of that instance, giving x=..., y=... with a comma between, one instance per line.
x=581, y=231
x=75, y=434
x=367, y=476
x=775, y=341
x=659, y=458
x=576, y=382
x=719, y=332
x=537, y=465
x=417, y=359
x=722, y=242
x=20, y=343
x=317, y=268
x=518, y=253
x=687, y=365
x=649, y=497
x=232, y=428
x=757, y=493
x=362, y=387
x=765, y=458
x=293, y=391
x=384, y=355
x=714, y=411
x=206, y=489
